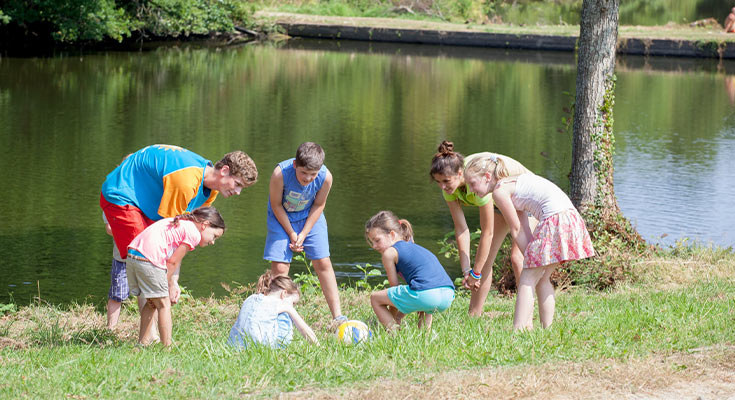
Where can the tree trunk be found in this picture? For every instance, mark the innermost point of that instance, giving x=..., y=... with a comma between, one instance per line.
x=591, y=178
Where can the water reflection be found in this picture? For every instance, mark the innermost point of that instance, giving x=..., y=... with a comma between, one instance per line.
x=379, y=110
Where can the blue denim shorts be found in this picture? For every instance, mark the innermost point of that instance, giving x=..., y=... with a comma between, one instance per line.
x=119, y=290
x=316, y=244
x=430, y=300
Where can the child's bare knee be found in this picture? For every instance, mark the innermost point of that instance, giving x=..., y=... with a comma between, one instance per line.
x=516, y=259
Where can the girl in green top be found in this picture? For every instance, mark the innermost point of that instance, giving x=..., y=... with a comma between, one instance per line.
x=447, y=170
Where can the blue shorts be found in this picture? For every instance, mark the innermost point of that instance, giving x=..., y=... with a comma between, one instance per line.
x=430, y=300
x=119, y=290
x=316, y=244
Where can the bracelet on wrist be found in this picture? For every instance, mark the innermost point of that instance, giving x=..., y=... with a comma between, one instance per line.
x=474, y=275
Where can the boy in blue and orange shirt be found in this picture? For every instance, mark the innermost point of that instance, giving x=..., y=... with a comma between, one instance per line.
x=163, y=181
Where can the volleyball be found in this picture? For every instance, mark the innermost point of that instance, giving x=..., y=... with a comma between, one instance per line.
x=353, y=332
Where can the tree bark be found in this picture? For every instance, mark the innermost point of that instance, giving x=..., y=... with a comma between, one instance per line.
x=591, y=178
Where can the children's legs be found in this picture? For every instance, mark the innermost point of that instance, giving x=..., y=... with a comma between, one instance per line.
x=516, y=254
x=477, y=300
x=382, y=307
x=545, y=295
x=524, y=298
x=113, y=312
x=161, y=305
x=424, y=320
x=153, y=328
x=516, y=262
x=146, y=321
x=397, y=315
x=328, y=281
x=164, y=320
x=280, y=268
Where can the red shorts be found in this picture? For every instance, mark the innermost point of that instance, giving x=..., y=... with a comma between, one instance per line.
x=126, y=222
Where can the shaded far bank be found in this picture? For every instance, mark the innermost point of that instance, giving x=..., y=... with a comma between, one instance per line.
x=641, y=41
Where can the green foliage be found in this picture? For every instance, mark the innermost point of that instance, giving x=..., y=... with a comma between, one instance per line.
x=7, y=308
x=75, y=21
x=308, y=281
x=615, y=255
x=686, y=248
x=4, y=19
x=186, y=17
x=368, y=273
x=71, y=20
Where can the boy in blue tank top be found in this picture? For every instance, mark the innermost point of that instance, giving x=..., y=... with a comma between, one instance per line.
x=429, y=289
x=298, y=192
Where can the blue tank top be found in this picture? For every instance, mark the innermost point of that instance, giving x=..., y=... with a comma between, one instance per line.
x=297, y=199
x=420, y=267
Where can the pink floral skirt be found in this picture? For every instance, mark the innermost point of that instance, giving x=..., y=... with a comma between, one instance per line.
x=561, y=237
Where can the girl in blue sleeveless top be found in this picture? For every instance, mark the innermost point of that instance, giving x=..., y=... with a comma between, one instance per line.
x=429, y=289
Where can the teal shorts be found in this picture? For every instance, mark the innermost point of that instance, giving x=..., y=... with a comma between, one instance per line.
x=430, y=301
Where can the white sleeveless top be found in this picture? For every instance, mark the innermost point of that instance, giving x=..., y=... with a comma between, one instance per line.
x=539, y=196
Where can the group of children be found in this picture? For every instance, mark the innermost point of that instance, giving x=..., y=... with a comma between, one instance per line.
x=298, y=191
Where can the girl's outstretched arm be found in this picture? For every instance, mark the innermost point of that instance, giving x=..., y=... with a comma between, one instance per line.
x=487, y=225
x=461, y=234
x=300, y=324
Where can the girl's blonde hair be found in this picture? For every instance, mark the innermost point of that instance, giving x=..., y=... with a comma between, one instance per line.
x=268, y=283
x=386, y=221
x=487, y=163
x=200, y=215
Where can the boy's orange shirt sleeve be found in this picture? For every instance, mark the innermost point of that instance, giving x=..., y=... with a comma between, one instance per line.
x=179, y=188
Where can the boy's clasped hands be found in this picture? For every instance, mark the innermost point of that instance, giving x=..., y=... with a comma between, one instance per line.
x=297, y=242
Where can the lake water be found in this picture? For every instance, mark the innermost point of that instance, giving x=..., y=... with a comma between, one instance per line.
x=379, y=111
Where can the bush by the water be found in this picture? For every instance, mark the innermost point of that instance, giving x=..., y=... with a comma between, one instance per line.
x=80, y=21
x=617, y=248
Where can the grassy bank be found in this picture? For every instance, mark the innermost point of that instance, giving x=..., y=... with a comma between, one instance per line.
x=685, y=299
x=270, y=15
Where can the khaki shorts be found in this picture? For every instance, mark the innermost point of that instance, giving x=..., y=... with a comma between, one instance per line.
x=146, y=279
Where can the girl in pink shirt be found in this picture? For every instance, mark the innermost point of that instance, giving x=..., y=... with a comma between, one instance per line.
x=560, y=236
x=153, y=262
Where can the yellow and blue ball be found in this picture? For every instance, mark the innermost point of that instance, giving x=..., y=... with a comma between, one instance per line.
x=353, y=332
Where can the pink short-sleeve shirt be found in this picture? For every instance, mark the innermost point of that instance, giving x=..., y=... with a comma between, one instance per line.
x=158, y=242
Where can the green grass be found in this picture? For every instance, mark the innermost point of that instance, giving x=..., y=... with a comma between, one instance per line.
x=49, y=352
x=331, y=14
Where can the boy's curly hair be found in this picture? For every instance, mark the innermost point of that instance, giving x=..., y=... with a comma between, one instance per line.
x=241, y=166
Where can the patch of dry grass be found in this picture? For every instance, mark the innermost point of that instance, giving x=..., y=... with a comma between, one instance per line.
x=707, y=373
x=685, y=267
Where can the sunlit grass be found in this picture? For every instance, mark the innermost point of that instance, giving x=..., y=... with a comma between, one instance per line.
x=403, y=21
x=52, y=352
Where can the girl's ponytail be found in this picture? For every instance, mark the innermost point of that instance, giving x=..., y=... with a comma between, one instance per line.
x=386, y=221
x=268, y=283
x=406, y=230
x=200, y=215
x=489, y=163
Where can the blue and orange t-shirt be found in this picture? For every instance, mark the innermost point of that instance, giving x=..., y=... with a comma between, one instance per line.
x=161, y=180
